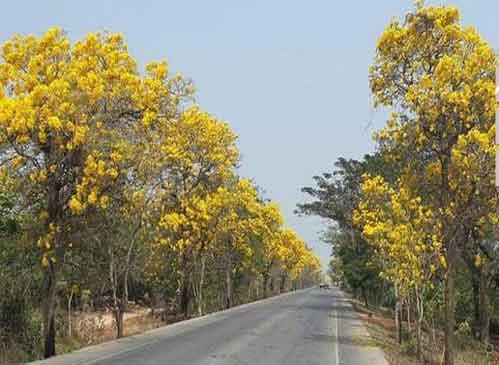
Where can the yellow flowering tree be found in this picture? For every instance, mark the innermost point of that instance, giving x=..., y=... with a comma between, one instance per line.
x=67, y=112
x=233, y=209
x=406, y=242
x=473, y=182
x=308, y=269
x=268, y=227
x=440, y=78
x=197, y=156
x=116, y=173
x=292, y=256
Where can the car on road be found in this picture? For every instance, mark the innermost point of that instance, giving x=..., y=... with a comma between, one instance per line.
x=324, y=286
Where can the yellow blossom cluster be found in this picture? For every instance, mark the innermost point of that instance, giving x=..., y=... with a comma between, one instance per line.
x=60, y=103
x=401, y=230
x=197, y=141
x=96, y=173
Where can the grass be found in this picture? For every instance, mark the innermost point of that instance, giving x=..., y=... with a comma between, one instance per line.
x=381, y=327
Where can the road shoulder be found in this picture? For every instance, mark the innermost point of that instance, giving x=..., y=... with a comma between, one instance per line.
x=355, y=343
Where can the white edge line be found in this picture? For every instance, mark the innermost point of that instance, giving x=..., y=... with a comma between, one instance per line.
x=166, y=327
x=337, y=345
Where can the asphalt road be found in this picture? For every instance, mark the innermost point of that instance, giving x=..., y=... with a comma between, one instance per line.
x=311, y=326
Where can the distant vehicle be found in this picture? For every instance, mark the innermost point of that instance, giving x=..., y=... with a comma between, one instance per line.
x=324, y=286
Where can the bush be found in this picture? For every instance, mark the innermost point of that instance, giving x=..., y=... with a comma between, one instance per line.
x=20, y=323
x=32, y=338
x=464, y=329
x=464, y=334
x=20, y=330
x=409, y=346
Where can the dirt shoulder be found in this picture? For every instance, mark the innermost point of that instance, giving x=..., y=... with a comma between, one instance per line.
x=381, y=327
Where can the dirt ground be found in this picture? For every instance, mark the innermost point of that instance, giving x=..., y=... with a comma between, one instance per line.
x=381, y=326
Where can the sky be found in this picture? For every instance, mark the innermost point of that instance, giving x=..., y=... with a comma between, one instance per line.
x=289, y=76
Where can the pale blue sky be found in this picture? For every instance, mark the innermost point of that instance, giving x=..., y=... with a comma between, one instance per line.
x=289, y=76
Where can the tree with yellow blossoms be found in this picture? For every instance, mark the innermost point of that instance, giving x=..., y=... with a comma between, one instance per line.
x=233, y=210
x=292, y=256
x=119, y=180
x=439, y=77
x=268, y=230
x=197, y=156
x=473, y=181
x=400, y=228
x=307, y=270
x=68, y=115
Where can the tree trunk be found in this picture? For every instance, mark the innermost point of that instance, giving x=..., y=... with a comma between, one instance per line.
x=419, y=323
x=70, y=300
x=450, y=309
x=250, y=286
x=185, y=297
x=50, y=338
x=408, y=308
x=433, y=330
x=182, y=295
x=265, y=285
x=398, y=327
x=228, y=282
x=484, y=307
x=450, y=246
x=283, y=283
x=48, y=309
x=125, y=287
x=364, y=297
x=199, y=287
x=419, y=350
x=152, y=302
x=475, y=284
x=118, y=307
x=167, y=308
x=125, y=290
x=128, y=262
x=119, y=318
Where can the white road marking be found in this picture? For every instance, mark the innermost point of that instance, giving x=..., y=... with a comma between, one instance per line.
x=337, y=344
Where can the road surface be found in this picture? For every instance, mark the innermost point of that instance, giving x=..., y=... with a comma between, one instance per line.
x=312, y=326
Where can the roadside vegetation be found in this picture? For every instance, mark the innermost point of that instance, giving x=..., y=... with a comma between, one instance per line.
x=380, y=325
x=414, y=226
x=117, y=192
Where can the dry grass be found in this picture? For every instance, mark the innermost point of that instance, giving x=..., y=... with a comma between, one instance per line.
x=135, y=322
x=148, y=322
x=381, y=327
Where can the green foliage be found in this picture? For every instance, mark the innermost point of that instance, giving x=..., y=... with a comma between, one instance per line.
x=335, y=197
x=408, y=347
x=20, y=323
